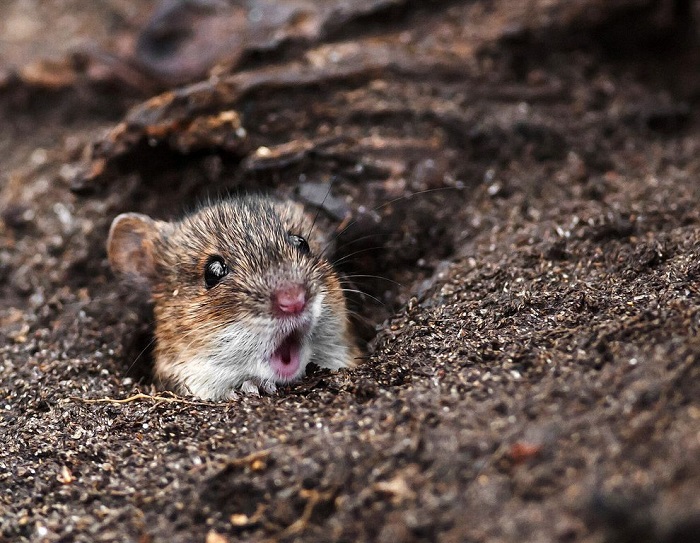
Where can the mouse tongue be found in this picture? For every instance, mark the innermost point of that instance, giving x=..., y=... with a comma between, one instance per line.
x=285, y=360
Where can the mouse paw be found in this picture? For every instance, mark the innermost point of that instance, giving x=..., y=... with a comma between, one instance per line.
x=250, y=387
x=268, y=387
x=254, y=387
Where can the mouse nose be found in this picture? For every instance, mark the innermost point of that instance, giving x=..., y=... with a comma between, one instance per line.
x=290, y=299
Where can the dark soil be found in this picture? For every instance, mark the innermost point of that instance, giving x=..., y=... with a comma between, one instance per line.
x=522, y=177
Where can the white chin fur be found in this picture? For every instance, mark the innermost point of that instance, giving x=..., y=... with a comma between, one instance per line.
x=241, y=355
x=236, y=356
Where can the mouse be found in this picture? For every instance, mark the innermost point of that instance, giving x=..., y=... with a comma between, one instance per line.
x=243, y=292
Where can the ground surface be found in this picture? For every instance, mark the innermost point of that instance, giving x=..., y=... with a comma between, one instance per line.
x=537, y=377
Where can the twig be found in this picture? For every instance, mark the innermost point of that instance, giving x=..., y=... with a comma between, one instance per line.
x=249, y=458
x=141, y=396
x=300, y=524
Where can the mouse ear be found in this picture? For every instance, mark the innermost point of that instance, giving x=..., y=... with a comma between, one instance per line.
x=131, y=245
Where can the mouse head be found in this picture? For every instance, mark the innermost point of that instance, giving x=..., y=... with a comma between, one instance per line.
x=240, y=294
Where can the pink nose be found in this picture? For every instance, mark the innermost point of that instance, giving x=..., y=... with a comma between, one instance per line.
x=290, y=299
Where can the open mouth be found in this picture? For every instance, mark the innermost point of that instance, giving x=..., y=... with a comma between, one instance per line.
x=285, y=361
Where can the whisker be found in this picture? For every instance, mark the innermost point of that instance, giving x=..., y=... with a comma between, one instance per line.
x=404, y=197
x=368, y=276
x=318, y=211
x=361, y=317
x=339, y=260
x=364, y=294
x=131, y=366
x=362, y=357
x=357, y=240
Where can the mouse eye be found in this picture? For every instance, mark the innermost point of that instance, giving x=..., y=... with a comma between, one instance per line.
x=300, y=243
x=214, y=271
